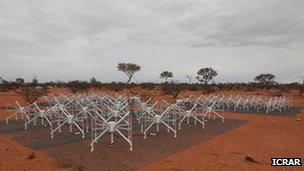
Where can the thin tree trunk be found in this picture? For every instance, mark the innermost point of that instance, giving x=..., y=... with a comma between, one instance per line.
x=129, y=79
x=206, y=88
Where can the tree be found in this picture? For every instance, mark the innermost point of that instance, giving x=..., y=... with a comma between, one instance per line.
x=189, y=78
x=5, y=85
x=2, y=87
x=165, y=75
x=205, y=75
x=31, y=93
x=129, y=69
x=265, y=79
x=35, y=80
x=19, y=81
x=93, y=82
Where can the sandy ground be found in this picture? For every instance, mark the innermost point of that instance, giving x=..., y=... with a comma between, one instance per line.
x=14, y=156
x=263, y=137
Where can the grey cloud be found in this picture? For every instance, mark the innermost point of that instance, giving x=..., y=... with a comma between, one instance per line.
x=57, y=38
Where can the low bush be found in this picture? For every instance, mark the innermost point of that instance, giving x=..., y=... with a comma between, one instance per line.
x=31, y=93
x=171, y=89
x=78, y=86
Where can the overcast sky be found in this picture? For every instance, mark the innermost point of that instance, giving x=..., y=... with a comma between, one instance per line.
x=80, y=39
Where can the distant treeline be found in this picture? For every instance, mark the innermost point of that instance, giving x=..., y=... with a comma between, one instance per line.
x=204, y=76
x=31, y=91
x=83, y=85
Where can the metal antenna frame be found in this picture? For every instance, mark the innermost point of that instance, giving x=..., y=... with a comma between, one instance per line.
x=33, y=113
x=17, y=110
x=108, y=123
x=164, y=117
x=210, y=109
x=70, y=113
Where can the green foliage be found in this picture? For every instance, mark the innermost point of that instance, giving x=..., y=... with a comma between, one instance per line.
x=171, y=89
x=20, y=81
x=57, y=83
x=35, y=81
x=116, y=86
x=148, y=86
x=165, y=75
x=78, y=86
x=94, y=83
x=31, y=93
x=27, y=89
x=129, y=69
x=265, y=79
x=6, y=85
x=205, y=75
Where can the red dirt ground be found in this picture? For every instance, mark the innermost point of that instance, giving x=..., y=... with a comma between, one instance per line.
x=263, y=137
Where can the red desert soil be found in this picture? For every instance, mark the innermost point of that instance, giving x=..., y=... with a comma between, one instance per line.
x=262, y=138
x=15, y=156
